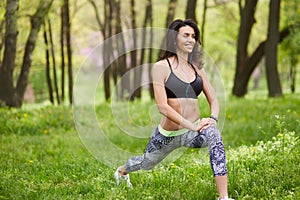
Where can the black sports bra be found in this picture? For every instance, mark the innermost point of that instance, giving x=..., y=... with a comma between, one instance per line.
x=176, y=88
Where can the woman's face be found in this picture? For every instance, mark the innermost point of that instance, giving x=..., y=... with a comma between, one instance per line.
x=186, y=39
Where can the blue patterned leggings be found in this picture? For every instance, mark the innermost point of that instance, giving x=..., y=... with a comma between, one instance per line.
x=160, y=146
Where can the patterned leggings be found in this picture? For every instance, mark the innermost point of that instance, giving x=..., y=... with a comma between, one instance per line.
x=160, y=146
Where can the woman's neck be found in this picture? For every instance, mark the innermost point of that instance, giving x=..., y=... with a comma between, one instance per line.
x=182, y=59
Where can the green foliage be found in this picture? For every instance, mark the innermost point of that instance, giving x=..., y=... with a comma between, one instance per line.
x=268, y=169
x=35, y=122
x=37, y=79
x=290, y=47
x=42, y=156
x=2, y=12
x=250, y=120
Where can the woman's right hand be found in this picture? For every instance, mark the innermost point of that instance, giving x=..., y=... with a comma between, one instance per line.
x=204, y=123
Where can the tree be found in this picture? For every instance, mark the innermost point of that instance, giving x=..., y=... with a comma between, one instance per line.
x=150, y=57
x=133, y=54
x=62, y=50
x=245, y=64
x=48, y=37
x=170, y=17
x=190, y=12
x=203, y=22
x=69, y=48
x=290, y=46
x=138, y=71
x=53, y=62
x=171, y=12
x=107, y=27
x=7, y=90
x=111, y=25
x=121, y=62
x=36, y=21
x=48, y=77
x=10, y=95
x=246, y=23
x=273, y=79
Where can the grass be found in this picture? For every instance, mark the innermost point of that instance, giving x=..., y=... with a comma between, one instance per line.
x=42, y=156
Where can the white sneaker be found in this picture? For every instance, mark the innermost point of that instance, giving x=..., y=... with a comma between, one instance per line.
x=225, y=198
x=119, y=177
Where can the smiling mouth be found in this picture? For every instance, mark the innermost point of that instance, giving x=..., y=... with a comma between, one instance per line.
x=189, y=46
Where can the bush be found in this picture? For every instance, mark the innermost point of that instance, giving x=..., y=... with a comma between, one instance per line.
x=268, y=170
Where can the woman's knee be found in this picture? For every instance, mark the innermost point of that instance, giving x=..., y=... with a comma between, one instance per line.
x=212, y=129
x=213, y=137
x=213, y=132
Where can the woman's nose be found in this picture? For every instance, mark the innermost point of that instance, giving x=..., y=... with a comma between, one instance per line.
x=191, y=39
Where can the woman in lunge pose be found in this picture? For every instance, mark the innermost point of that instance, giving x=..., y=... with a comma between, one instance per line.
x=178, y=79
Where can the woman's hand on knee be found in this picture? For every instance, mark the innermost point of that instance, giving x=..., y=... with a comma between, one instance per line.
x=205, y=123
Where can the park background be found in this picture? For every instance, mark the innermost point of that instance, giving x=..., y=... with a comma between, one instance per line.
x=42, y=156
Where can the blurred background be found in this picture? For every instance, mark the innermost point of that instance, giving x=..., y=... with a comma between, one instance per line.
x=52, y=150
x=254, y=44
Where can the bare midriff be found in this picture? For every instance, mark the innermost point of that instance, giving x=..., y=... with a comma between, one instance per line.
x=186, y=107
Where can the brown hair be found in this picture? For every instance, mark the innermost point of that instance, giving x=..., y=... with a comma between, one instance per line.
x=170, y=41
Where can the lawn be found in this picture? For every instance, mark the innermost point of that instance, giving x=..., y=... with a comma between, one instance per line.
x=43, y=157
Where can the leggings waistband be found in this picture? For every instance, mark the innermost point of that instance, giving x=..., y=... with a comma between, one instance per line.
x=174, y=133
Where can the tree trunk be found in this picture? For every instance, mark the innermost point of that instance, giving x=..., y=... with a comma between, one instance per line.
x=150, y=58
x=190, y=12
x=138, y=88
x=255, y=58
x=273, y=79
x=169, y=19
x=114, y=65
x=121, y=52
x=62, y=51
x=246, y=24
x=36, y=21
x=171, y=12
x=107, y=29
x=293, y=72
x=133, y=54
x=7, y=92
x=48, y=76
x=53, y=62
x=203, y=22
x=69, y=50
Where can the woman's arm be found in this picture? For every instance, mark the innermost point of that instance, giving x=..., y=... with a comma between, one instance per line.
x=210, y=94
x=160, y=72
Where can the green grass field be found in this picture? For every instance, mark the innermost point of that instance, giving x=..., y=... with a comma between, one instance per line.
x=42, y=156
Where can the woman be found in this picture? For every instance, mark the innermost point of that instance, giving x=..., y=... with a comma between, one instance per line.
x=178, y=79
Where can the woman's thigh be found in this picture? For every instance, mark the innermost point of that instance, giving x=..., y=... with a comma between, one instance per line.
x=201, y=139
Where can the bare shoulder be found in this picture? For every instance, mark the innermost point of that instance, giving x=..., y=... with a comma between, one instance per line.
x=161, y=64
x=161, y=68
